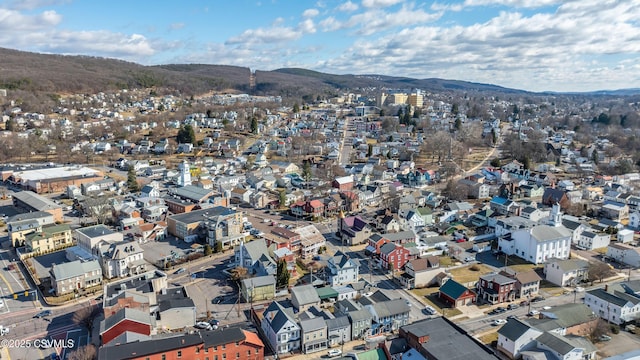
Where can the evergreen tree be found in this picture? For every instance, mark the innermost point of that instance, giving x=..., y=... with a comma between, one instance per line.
x=296, y=108
x=594, y=156
x=458, y=124
x=306, y=171
x=282, y=276
x=186, y=135
x=217, y=247
x=132, y=181
x=208, y=250
x=254, y=125
x=455, y=109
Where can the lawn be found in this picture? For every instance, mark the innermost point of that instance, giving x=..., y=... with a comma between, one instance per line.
x=489, y=338
x=467, y=274
x=525, y=267
x=446, y=261
x=551, y=289
x=430, y=296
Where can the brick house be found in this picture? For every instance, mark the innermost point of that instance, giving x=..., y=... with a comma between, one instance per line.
x=394, y=257
x=343, y=183
x=126, y=320
x=495, y=288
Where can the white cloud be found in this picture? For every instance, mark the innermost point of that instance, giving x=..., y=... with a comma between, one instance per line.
x=514, y=3
x=307, y=26
x=348, y=7
x=330, y=24
x=176, y=26
x=14, y=21
x=379, y=3
x=275, y=34
x=373, y=21
x=309, y=13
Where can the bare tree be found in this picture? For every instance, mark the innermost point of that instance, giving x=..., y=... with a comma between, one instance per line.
x=98, y=207
x=86, y=316
x=601, y=328
x=87, y=352
x=598, y=271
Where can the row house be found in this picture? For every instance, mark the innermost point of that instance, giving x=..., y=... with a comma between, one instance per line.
x=75, y=276
x=617, y=303
x=354, y=230
x=393, y=256
x=49, y=238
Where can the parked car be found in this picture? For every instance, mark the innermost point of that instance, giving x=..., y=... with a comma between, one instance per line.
x=334, y=353
x=1, y=303
x=429, y=310
x=500, y=309
x=180, y=271
x=43, y=313
x=498, y=322
x=512, y=307
x=604, y=337
x=537, y=298
x=202, y=325
x=546, y=308
x=579, y=289
x=469, y=259
x=533, y=313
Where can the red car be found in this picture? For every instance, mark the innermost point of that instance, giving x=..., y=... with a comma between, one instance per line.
x=461, y=240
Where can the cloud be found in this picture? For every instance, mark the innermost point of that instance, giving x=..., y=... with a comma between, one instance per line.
x=176, y=26
x=14, y=21
x=379, y=3
x=576, y=46
x=309, y=13
x=307, y=26
x=347, y=7
x=275, y=34
x=330, y=24
x=374, y=20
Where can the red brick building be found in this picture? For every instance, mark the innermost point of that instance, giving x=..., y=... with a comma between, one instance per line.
x=343, y=183
x=495, y=288
x=456, y=294
x=394, y=257
x=124, y=320
x=230, y=343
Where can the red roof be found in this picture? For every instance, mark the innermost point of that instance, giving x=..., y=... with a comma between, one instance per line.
x=315, y=203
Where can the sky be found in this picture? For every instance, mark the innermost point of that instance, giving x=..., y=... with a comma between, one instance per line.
x=535, y=45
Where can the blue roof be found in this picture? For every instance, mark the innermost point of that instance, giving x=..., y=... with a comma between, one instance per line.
x=499, y=200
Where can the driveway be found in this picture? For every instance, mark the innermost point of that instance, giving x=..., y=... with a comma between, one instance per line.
x=619, y=344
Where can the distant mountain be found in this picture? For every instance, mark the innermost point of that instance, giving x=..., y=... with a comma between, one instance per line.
x=45, y=73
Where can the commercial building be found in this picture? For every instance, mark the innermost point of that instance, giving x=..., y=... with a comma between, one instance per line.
x=29, y=201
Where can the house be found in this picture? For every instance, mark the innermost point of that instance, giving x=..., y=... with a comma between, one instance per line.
x=338, y=330
x=495, y=288
x=514, y=336
x=304, y=296
x=121, y=259
x=49, y=238
x=393, y=257
x=342, y=270
x=75, y=276
x=566, y=272
x=311, y=241
x=258, y=288
x=591, y=240
x=149, y=191
x=419, y=273
x=569, y=319
x=540, y=242
x=388, y=224
x=552, y=196
x=388, y=316
x=426, y=214
x=353, y=230
x=563, y=347
x=314, y=334
x=617, y=303
x=21, y=225
x=624, y=254
x=90, y=237
x=126, y=320
x=456, y=294
x=361, y=320
x=343, y=183
x=438, y=338
x=254, y=256
x=615, y=211
x=280, y=328
x=527, y=282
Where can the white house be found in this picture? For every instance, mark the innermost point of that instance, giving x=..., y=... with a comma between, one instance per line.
x=342, y=270
x=590, y=240
x=624, y=236
x=540, y=242
x=568, y=272
x=514, y=336
x=624, y=254
x=616, y=306
x=634, y=220
x=122, y=259
x=280, y=328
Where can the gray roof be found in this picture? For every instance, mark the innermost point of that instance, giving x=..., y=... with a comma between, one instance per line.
x=547, y=233
x=200, y=215
x=75, y=268
x=305, y=294
x=497, y=278
x=259, y=281
x=95, y=231
x=341, y=261
x=556, y=343
x=120, y=250
x=35, y=201
x=312, y=324
x=34, y=215
x=448, y=341
x=568, y=315
x=191, y=192
x=610, y=298
x=277, y=316
x=256, y=249
x=338, y=323
x=391, y=308
x=387, y=248
x=513, y=329
x=358, y=315
x=401, y=235
x=570, y=264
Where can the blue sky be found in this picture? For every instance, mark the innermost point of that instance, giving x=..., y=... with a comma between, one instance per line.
x=568, y=45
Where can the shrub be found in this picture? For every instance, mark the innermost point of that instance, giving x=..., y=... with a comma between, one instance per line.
x=615, y=329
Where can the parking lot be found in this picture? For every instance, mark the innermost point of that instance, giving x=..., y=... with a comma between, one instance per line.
x=170, y=247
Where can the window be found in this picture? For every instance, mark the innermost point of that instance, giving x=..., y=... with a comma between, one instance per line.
x=197, y=350
x=237, y=343
x=215, y=357
x=164, y=357
x=215, y=348
x=237, y=355
x=224, y=346
x=224, y=356
x=248, y=352
x=179, y=353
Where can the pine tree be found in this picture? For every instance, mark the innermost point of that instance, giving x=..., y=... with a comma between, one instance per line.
x=186, y=135
x=282, y=276
x=132, y=181
x=254, y=125
x=283, y=198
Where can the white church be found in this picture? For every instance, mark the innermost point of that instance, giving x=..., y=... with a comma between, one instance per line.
x=540, y=242
x=184, y=174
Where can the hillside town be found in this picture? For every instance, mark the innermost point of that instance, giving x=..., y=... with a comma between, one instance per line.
x=374, y=225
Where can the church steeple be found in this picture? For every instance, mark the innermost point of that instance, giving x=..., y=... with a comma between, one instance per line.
x=555, y=218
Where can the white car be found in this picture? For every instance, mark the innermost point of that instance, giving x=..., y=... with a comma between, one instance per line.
x=1, y=303
x=202, y=325
x=498, y=322
x=334, y=353
x=579, y=289
x=429, y=310
x=533, y=312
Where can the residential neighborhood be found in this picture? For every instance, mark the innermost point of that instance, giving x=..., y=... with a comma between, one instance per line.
x=322, y=232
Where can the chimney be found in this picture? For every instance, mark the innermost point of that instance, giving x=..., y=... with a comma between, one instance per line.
x=606, y=287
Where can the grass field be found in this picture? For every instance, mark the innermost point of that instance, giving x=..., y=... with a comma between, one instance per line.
x=467, y=274
x=430, y=296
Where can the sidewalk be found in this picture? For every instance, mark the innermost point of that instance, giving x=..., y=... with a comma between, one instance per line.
x=346, y=348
